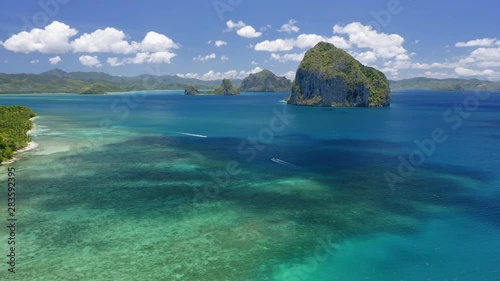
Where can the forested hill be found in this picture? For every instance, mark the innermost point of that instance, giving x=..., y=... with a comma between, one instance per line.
x=422, y=83
x=58, y=81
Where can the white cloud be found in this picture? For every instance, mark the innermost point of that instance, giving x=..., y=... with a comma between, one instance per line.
x=254, y=63
x=289, y=27
x=155, y=42
x=438, y=75
x=484, y=57
x=242, y=29
x=90, y=61
x=114, y=61
x=485, y=42
x=205, y=58
x=266, y=27
x=143, y=57
x=366, y=57
x=54, y=38
x=55, y=60
x=384, y=45
x=109, y=40
x=35, y=61
x=231, y=25
x=224, y=58
x=276, y=45
x=161, y=57
x=248, y=32
x=461, y=71
x=288, y=57
x=220, y=43
x=290, y=75
x=302, y=41
x=214, y=75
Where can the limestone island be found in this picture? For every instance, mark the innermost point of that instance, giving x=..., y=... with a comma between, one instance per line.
x=226, y=88
x=15, y=123
x=329, y=76
x=265, y=81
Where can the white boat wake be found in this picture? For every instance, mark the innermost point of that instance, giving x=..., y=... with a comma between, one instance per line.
x=284, y=163
x=191, y=135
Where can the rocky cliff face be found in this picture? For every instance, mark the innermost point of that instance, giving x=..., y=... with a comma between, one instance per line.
x=265, y=81
x=328, y=76
x=226, y=88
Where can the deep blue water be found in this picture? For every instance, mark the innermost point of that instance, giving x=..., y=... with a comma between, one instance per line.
x=140, y=185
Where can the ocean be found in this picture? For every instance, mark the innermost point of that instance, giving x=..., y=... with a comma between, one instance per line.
x=162, y=186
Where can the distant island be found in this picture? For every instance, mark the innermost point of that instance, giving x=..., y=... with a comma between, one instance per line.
x=14, y=126
x=329, y=76
x=59, y=81
x=226, y=88
x=265, y=81
x=421, y=83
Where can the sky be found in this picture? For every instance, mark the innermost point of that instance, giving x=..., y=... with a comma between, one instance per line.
x=215, y=39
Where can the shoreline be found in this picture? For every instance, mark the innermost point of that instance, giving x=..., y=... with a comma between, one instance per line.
x=31, y=145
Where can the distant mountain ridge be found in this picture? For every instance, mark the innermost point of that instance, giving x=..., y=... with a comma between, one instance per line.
x=59, y=81
x=452, y=84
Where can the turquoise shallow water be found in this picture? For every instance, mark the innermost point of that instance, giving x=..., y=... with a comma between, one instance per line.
x=135, y=186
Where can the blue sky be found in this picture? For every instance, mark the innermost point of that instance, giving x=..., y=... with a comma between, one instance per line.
x=212, y=39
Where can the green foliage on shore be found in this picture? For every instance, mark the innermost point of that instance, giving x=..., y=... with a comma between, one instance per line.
x=14, y=125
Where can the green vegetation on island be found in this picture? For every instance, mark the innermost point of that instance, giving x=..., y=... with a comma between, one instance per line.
x=265, y=81
x=14, y=126
x=226, y=88
x=58, y=81
x=422, y=83
x=328, y=76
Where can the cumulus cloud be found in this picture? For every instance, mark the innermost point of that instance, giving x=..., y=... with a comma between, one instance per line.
x=54, y=38
x=366, y=57
x=302, y=41
x=205, y=58
x=35, y=61
x=143, y=57
x=254, y=63
x=220, y=43
x=111, y=40
x=224, y=58
x=90, y=61
x=383, y=45
x=289, y=27
x=484, y=57
x=462, y=71
x=55, y=60
x=156, y=42
x=288, y=57
x=290, y=75
x=242, y=29
x=214, y=75
x=276, y=45
x=485, y=42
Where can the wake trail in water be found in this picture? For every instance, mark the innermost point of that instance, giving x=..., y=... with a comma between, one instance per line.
x=284, y=163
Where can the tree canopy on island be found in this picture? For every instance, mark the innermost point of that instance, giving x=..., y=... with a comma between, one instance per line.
x=14, y=125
